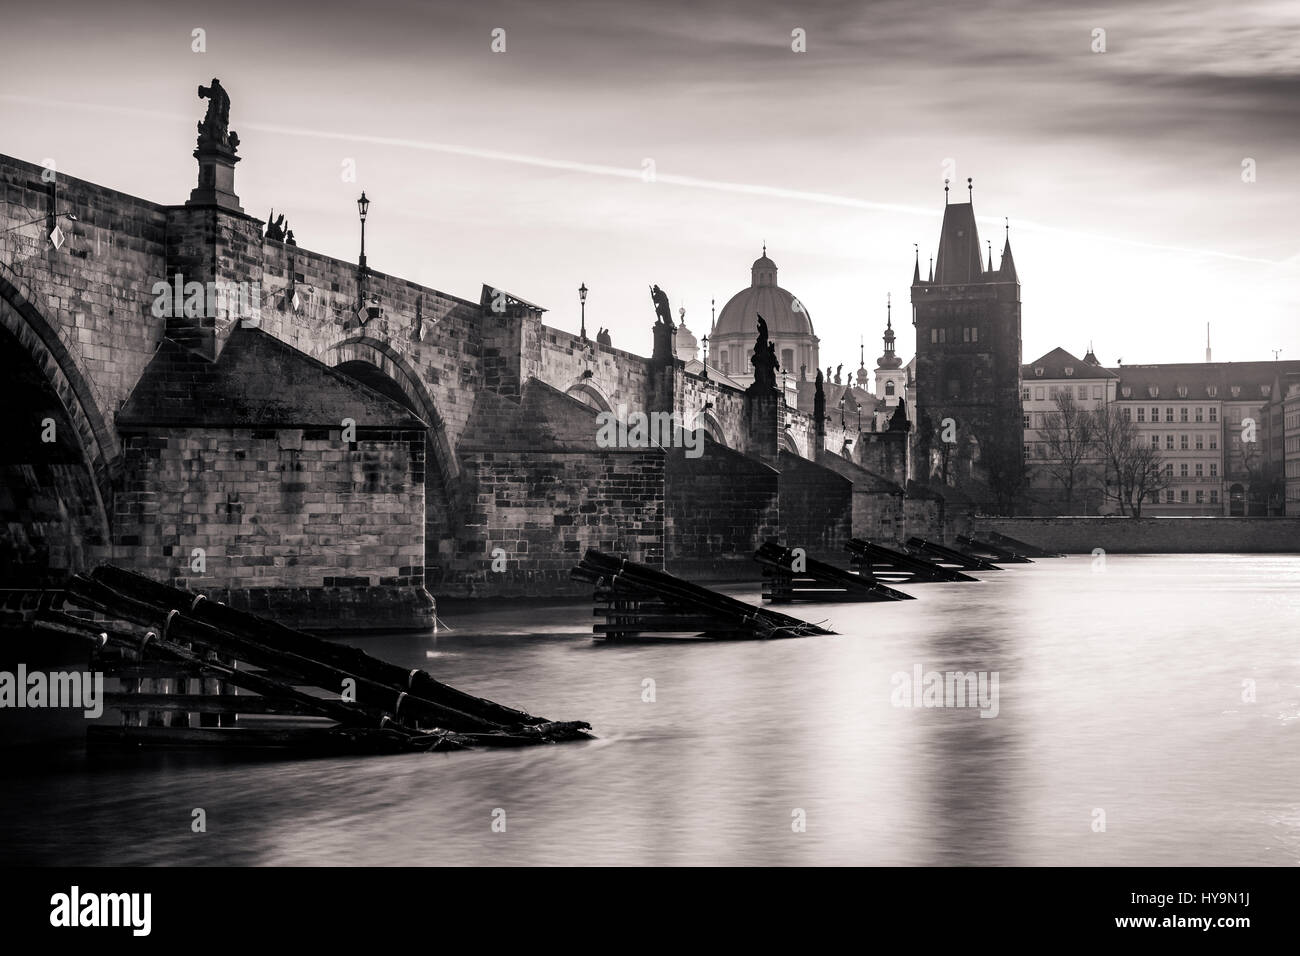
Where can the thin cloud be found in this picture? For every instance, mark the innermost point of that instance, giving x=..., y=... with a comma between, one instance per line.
x=637, y=173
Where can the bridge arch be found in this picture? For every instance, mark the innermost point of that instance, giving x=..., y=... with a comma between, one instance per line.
x=712, y=427
x=789, y=444
x=58, y=463
x=378, y=365
x=589, y=393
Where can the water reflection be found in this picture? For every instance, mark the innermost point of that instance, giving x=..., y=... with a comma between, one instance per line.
x=1119, y=691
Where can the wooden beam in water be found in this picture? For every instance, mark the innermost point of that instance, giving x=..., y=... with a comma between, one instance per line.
x=622, y=587
x=943, y=553
x=911, y=568
x=994, y=552
x=817, y=581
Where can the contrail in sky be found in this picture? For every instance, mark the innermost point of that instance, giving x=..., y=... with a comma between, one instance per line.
x=636, y=173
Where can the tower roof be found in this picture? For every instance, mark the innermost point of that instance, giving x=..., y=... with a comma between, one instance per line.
x=959, y=246
x=1007, y=267
x=1058, y=364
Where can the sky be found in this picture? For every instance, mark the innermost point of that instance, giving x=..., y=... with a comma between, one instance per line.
x=620, y=145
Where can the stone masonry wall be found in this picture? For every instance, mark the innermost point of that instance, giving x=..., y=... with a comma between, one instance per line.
x=719, y=508
x=816, y=508
x=273, y=508
x=1209, y=535
x=543, y=509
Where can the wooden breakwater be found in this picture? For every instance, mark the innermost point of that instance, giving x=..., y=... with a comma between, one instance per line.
x=195, y=673
x=637, y=600
x=900, y=567
x=942, y=554
x=789, y=576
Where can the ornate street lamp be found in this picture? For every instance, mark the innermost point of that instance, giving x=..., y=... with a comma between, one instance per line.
x=582, y=300
x=363, y=207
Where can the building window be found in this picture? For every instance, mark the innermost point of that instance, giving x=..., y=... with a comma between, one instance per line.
x=1155, y=441
x=1214, y=496
x=1051, y=391
x=1155, y=414
x=1182, y=496
x=1028, y=450
x=1182, y=413
x=1083, y=391
x=943, y=336
x=1214, y=442
x=965, y=333
x=1128, y=413
x=1200, y=470
x=1200, y=496
x=1182, y=470
x=1096, y=391
x=1200, y=413
x=1142, y=413
x=975, y=333
x=1169, y=414
x=1169, y=442
x=1214, y=469
x=1169, y=469
x=1182, y=442
x=1200, y=441
x=1038, y=393
x=1024, y=393
x=1169, y=497
x=1026, y=420
x=1214, y=413
x=889, y=387
x=934, y=336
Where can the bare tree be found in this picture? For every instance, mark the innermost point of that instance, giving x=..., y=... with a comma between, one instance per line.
x=1265, y=485
x=1070, y=436
x=1133, y=471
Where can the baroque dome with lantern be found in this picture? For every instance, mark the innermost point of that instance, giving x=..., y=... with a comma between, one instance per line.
x=789, y=325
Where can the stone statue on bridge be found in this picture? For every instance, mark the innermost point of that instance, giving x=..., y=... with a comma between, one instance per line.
x=664, y=330
x=275, y=227
x=214, y=128
x=764, y=358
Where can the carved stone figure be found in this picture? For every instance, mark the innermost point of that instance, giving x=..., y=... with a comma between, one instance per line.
x=214, y=128
x=764, y=358
x=275, y=227
x=664, y=330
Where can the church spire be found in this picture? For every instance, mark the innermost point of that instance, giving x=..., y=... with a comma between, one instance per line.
x=916, y=269
x=1008, y=263
x=889, y=360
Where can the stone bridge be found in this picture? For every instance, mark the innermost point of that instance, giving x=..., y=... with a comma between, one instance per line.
x=341, y=444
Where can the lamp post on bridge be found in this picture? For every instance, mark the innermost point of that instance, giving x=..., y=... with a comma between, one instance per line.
x=363, y=208
x=582, y=301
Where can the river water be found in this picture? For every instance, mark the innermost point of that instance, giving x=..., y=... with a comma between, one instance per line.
x=1123, y=701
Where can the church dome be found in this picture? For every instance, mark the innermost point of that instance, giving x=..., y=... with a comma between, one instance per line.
x=685, y=344
x=785, y=315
